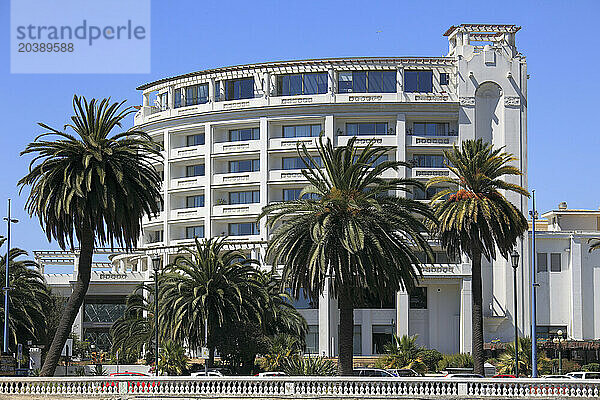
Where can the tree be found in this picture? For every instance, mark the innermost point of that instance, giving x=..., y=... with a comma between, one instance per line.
x=29, y=299
x=210, y=283
x=90, y=188
x=357, y=232
x=403, y=352
x=506, y=361
x=475, y=218
x=173, y=360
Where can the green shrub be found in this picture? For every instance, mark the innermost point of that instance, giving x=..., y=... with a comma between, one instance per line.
x=591, y=367
x=430, y=358
x=309, y=366
x=461, y=360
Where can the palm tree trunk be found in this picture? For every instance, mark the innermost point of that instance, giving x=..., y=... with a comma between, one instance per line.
x=86, y=242
x=345, y=358
x=477, y=311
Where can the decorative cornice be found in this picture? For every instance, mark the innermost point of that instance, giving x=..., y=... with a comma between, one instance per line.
x=512, y=101
x=466, y=101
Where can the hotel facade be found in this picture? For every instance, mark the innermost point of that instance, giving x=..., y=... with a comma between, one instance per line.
x=230, y=135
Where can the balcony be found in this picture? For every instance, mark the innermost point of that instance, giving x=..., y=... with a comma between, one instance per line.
x=444, y=270
x=188, y=182
x=187, y=213
x=299, y=100
x=442, y=97
x=236, y=177
x=188, y=152
x=290, y=143
x=151, y=219
x=236, y=147
x=182, y=242
x=286, y=175
x=430, y=141
x=426, y=173
x=379, y=140
x=366, y=97
x=236, y=210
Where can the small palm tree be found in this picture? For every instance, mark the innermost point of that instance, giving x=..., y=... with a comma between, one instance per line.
x=29, y=298
x=208, y=283
x=402, y=352
x=173, y=360
x=506, y=361
x=281, y=347
x=93, y=189
x=357, y=233
x=475, y=218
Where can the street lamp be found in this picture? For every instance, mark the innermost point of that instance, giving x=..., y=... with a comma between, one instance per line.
x=6, y=288
x=156, y=268
x=514, y=257
x=559, y=340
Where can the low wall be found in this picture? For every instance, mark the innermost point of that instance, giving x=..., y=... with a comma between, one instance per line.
x=294, y=388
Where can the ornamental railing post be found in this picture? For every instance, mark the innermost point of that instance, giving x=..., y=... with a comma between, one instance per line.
x=462, y=388
x=290, y=389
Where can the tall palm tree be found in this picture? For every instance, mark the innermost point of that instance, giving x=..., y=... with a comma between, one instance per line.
x=357, y=233
x=29, y=298
x=91, y=188
x=475, y=218
x=208, y=282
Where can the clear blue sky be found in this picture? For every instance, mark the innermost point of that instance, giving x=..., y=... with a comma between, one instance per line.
x=559, y=39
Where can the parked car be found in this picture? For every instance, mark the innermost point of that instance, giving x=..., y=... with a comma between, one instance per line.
x=270, y=374
x=584, y=375
x=404, y=372
x=376, y=372
x=464, y=375
x=209, y=373
x=558, y=377
x=127, y=373
x=503, y=376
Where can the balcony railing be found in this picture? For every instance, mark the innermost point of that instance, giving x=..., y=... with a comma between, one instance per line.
x=236, y=210
x=188, y=182
x=236, y=147
x=188, y=151
x=236, y=177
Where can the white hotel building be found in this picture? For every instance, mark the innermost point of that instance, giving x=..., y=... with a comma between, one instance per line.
x=230, y=138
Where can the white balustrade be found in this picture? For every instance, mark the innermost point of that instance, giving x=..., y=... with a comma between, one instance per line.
x=296, y=387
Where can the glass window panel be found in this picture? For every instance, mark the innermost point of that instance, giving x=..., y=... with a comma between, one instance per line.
x=315, y=130
x=295, y=85
x=418, y=298
x=192, y=232
x=352, y=129
x=291, y=194
x=389, y=81
x=217, y=91
x=289, y=131
x=303, y=130
x=430, y=129
x=194, y=170
x=312, y=340
x=195, y=140
x=359, y=82
x=381, y=335
x=243, y=229
x=444, y=78
x=247, y=88
x=195, y=201
x=381, y=128
x=555, y=262
x=419, y=128
x=425, y=81
x=177, y=99
x=542, y=262
x=345, y=82
x=375, y=81
x=410, y=81
x=246, y=197
x=366, y=128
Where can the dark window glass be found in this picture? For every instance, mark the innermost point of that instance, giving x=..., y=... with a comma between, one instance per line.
x=549, y=331
x=236, y=89
x=192, y=232
x=248, y=197
x=194, y=170
x=177, y=102
x=244, y=229
x=315, y=83
x=542, y=262
x=194, y=201
x=217, y=91
x=294, y=194
x=104, y=312
x=555, y=265
x=366, y=128
x=301, y=130
x=432, y=129
x=163, y=100
x=367, y=81
x=389, y=82
x=359, y=82
x=345, y=82
x=195, y=140
x=382, y=335
x=244, y=166
x=418, y=81
x=428, y=161
x=297, y=84
x=418, y=298
x=238, y=135
x=196, y=94
x=298, y=163
x=444, y=78
x=312, y=340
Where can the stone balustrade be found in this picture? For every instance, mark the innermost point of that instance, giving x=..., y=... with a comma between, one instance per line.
x=294, y=387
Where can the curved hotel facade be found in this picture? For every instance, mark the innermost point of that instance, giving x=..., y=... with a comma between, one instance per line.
x=230, y=137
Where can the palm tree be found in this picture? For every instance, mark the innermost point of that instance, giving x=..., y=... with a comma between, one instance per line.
x=90, y=188
x=506, y=361
x=29, y=298
x=403, y=352
x=173, y=360
x=475, y=218
x=357, y=233
x=209, y=283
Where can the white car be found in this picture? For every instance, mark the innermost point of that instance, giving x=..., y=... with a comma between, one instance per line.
x=557, y=377
x=202, y=373
x=272, y=373
x=584, y=375
x=372, y=372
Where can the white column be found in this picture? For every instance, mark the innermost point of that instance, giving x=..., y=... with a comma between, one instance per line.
x=402, y=306
x=264, y=172
x=328, y=335
x=465, y=344
x=211, y=92
x=267, y=85
x=166, y=185
x=146, y=99
x=171, y=98
x=400, y=83
x=401, y=147
x=330, y=129
x=331, y=81
x=577, y=314
x=208, y=172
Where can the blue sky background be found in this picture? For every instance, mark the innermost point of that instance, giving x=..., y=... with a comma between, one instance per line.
x=559, y=39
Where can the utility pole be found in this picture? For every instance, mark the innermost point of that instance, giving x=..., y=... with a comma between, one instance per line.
x=6, y=288
x=533, y=213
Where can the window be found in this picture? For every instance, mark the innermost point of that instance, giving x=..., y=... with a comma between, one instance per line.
x=177, y=102
x=379, y=160
x=236, y=89
x=194, y=201
x=248, y=197
x=312, y=340
x=542, y=262
x=244, y=166
x=103, y=310
x=301, y=130
x=439, y=257
x=196, y=94
x=298, y=163
x=549, y=331
x=195, y=140
x=367, y=82
x=382, y=334
x=194, y=170
x=374, y=301
x=192, y=232
x=419, y=194
x=418, y=81
x=217, y=91
x=303, y=302
x=238, y=135
x=244, y=229
x=297, y=84
x=432, y=129
x=155, y=236
x=444, y=78
x=163, y=101
x=418, y=299
x=428, y=161
x=367, y=128
x=555, y=262
x=294, y=194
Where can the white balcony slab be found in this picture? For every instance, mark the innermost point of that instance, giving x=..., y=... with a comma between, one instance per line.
x=431, y=141
x=292, y=143
x=236, y=147
x=286, y=175
x=187, y=213
x=189, y=151
x=188, y=182
x=427, y=173
x=236, y=210
x=378, y=140
x=236, y=178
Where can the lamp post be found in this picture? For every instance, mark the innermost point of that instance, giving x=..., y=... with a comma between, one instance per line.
x=156, y=268
x=515, y=264
x=558, y=340
x=533, y=213
x=6, y=288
